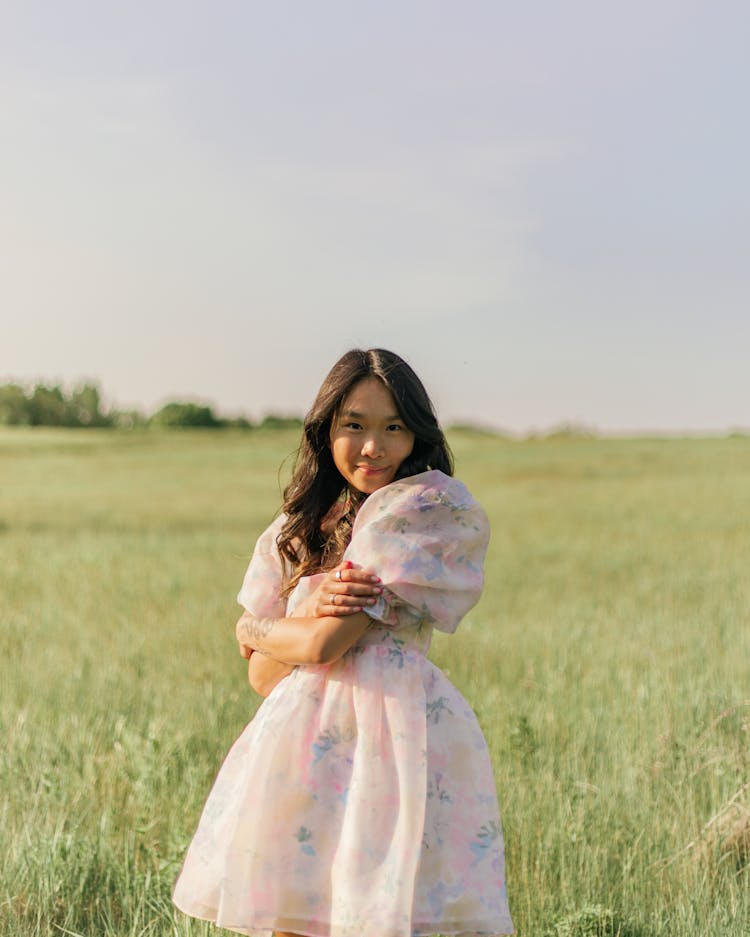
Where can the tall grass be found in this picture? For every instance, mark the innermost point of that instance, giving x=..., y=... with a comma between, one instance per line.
x=607, y=661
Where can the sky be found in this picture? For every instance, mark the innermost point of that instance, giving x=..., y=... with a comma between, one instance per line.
x=543, y=207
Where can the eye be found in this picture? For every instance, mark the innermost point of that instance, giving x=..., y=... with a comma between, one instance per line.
x=394, y=427
x=352, y=425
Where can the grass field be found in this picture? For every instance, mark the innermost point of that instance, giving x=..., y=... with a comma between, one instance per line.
x=608, y=662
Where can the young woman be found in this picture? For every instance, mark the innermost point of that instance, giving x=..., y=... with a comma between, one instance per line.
x=360, y=801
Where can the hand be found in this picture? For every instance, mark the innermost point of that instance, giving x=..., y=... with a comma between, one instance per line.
x=344, y=591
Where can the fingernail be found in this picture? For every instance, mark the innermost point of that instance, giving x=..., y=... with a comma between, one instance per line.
x=357, y=608
x=371, y=601
x=375, y=579
x=379, y=591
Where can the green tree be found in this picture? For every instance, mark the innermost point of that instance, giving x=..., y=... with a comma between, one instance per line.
x=179, y=413
x=84, y=407
x=14, y=405
x=47, y=406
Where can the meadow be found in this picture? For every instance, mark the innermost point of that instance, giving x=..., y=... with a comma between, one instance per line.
x=608, y=663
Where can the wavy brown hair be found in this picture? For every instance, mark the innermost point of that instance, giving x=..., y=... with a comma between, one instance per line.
x=316, y=482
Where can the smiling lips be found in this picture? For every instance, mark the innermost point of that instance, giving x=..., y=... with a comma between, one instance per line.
x=372, y=469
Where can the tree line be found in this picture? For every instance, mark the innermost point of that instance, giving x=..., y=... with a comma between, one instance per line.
x=51, y=405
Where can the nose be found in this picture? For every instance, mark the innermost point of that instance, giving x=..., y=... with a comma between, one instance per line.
x=372, y=447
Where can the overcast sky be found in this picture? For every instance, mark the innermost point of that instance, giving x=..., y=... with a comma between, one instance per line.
x=544, y=207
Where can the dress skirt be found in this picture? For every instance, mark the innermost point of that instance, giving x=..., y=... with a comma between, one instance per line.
x=359, y=802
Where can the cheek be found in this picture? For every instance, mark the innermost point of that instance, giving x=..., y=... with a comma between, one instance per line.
x=407, y=447
x=340, y=453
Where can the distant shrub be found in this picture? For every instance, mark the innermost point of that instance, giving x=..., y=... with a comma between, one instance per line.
x=238, y=422
x=567, y=431
x=275, y=421
x=477, y=429
x=84, y=407
x=185, y=414
x=14, y=406
x=47, y=406
x=51, y=406
x=129, y=419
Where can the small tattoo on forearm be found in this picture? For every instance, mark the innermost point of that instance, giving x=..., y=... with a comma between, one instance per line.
x=258, y=628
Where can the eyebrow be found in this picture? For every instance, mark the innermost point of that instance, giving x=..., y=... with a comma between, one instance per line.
x=355, y=414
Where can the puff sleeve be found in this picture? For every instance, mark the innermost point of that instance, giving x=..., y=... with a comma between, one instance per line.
x=426, y=537
x=261, y=588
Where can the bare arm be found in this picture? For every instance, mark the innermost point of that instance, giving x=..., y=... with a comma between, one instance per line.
x=301, y=640
x=264, y=673
x=342, y=594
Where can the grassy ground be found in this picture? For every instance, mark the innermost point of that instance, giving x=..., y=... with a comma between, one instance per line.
x=607, y=661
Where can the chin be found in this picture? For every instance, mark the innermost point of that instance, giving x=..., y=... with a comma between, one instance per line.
x=368, y=485
x=366, y=489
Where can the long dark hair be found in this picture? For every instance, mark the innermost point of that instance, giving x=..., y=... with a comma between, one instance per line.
x=316, y=482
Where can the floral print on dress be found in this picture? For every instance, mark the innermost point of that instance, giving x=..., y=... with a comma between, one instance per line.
x=328, y=740
x=312, y=822
x=426, y=537
x=303, y=837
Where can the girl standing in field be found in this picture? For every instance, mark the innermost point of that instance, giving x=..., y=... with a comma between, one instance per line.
x=360, y=801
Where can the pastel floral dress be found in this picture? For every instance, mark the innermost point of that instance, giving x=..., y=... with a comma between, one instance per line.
x=360, y=800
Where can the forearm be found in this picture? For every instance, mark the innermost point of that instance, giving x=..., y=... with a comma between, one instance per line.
x=264, y=673
x=301, y=640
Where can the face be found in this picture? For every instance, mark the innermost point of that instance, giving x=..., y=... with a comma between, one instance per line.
x=369, y=440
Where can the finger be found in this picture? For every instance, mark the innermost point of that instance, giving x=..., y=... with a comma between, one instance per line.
x=352, y=600
x=337, y=572
x=355, y=589
x=340, y=600
x=347, y=574
x=341, y=611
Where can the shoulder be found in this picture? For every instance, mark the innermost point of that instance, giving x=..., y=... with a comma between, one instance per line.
x=261, y=587
x=266, y=543
x=428, y=488
x=423, y=500
x=426, y=537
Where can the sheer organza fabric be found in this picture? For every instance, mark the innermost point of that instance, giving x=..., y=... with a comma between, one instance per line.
x=360, y=800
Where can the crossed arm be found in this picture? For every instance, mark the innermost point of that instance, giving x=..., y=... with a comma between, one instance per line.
x=330, y=622
x=300, y=640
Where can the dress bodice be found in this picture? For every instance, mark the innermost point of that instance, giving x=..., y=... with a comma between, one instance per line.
x=409, y=638
x=424, y=536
